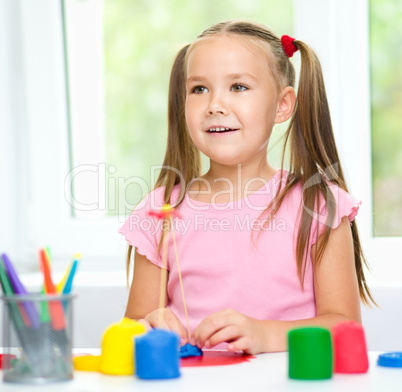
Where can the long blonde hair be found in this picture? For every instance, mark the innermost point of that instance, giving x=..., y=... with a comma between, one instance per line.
x=313, y=152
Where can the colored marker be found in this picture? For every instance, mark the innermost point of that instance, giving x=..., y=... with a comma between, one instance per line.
x=55, y=307
x=29, y=338
x=8, y=290
x=19, y=289
x=57, y=319
x=49, y=255
x=69, y=282
x=61, y=285
x=44, y=307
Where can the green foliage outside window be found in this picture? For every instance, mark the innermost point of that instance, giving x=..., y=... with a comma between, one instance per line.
x=386, y=118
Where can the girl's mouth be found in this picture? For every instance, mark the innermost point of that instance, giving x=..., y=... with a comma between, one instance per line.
x=221, y=130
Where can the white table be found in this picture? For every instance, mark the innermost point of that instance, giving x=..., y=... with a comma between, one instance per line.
x=267, y=372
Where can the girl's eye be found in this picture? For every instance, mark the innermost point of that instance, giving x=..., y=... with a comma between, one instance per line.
x=238, y=88
x=199, y=90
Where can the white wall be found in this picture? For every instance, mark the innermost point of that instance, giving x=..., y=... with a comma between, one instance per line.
x=382, y=325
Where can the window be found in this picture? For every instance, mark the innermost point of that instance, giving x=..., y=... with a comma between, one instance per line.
x=386, y=101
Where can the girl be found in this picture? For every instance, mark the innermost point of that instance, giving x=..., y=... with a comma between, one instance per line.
x=261, y=250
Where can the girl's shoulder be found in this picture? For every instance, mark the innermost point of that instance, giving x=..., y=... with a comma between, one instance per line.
x=340, y=201
x=155, y=199
x=340, y=195
x=345, y=204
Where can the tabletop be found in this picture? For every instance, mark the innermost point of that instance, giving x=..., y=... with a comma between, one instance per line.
x=265, y=372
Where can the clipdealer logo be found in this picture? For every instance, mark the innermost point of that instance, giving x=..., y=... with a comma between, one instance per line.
x=100, y=180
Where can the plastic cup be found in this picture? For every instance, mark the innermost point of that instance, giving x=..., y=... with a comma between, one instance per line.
x=310, y=353
x=350, y=348
x=39, y=341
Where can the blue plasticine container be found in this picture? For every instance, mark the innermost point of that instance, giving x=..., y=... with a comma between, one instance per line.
x=157, y=355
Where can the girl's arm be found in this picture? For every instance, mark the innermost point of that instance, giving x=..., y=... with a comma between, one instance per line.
x=335, y=286
x=336, y=296
x=144, y=290
x=143, y=300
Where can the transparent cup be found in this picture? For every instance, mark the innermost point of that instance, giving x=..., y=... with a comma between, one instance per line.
x=37, y=338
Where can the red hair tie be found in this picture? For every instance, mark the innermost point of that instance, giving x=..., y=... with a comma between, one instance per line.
x=288, y=46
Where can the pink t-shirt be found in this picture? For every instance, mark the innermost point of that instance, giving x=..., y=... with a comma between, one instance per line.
x=222, y=265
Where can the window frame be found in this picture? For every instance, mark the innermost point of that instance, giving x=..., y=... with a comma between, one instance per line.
x=337, y=29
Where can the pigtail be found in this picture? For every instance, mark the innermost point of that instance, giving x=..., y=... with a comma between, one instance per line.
x=313, y=153
x=182, y=160
x=314, y=160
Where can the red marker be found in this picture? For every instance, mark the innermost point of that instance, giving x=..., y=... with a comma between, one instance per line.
x=55, y=307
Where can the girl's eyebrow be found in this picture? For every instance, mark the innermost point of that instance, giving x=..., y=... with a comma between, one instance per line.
x=232, y=76
x=196, y=79
x=235, y=76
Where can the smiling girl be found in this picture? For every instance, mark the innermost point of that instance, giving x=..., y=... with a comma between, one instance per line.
x=265, y=249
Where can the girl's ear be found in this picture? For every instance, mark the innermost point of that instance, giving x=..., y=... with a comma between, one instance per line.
x=286, y=105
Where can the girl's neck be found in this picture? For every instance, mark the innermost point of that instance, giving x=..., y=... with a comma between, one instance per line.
x=231, y=182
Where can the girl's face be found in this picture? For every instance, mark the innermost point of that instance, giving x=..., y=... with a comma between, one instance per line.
x=231, y=100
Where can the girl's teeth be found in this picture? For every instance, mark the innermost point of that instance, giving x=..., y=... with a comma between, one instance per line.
x=218, y=129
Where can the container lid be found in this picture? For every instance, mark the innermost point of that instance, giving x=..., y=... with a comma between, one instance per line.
x=390, y=359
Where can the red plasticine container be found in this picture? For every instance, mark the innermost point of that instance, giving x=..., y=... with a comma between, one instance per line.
x=350, y=350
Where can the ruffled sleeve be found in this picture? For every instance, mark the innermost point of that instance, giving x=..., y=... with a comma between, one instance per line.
x=345, y=205
x=143, y=231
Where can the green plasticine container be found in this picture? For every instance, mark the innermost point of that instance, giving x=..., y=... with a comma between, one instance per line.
x=310, y=353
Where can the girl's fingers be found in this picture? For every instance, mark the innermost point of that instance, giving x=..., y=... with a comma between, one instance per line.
x=203, y=332
x=146, y=324
x=166, y=319
x=227, y=334
x=156, y=319
x=241, y=344
x=176, y=326
x=211, y=325
x=159, y=318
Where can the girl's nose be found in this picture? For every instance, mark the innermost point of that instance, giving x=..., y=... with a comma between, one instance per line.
x=217, y=105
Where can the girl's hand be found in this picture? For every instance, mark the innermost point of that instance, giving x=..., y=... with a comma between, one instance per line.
x=243, y=333
x=165, y=319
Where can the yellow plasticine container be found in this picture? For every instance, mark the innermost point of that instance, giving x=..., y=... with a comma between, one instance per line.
x=117, y=356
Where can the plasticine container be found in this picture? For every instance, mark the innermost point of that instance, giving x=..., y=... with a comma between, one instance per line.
x=310, y=353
